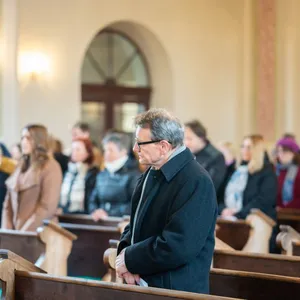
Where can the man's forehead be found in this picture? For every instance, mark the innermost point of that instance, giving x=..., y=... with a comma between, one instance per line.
x=142, y=133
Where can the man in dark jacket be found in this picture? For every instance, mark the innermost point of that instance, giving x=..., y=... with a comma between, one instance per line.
x=211, y=159
x=3, y=177
x=169, y=242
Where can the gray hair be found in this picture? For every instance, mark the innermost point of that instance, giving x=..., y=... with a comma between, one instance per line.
x=163, y=126
x=121, y=140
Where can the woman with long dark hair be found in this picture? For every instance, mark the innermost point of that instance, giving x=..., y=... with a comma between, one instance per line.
x=33, y=189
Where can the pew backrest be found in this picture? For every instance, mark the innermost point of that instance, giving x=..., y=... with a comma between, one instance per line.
x=253, y=286
x=296, y=248
x=255, y=262
x=288, y=216
x=285, y=239
x=86, y=257
x=38, y=286
x=228, y=231
x=9, y=262
x=26, y=244
x=88, y=220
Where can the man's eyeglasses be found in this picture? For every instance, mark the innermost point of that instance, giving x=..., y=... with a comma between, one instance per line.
x=139, y=144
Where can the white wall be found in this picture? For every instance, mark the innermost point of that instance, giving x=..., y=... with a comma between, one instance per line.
x=199, y=43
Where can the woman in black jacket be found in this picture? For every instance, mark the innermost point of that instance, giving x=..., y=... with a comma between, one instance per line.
x=252, y=185
x=79, y=180
x=115, y=184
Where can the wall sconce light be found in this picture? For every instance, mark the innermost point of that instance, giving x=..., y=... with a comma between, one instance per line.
x=33, y=65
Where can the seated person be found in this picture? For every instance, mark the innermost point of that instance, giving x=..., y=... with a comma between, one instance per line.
x=115, y=184
x=252, y=185
x=210, y=158
x=228, y=151
x=60, y=157
x=80, y=178
x=288, y=173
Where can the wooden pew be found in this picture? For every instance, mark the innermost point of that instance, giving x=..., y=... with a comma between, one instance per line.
x=228, y=231
x=296, y=248
x=288, y=240
x=248, y=285
x=110, y=255
x=86, y=257
x=88, y=220
x=253, y=286
x=275, y=264
x=84, y=219
x=250, y=235
x=236, y=260
x=49, y=247
x=9, y=262
x=23, y=281
x=288, y=216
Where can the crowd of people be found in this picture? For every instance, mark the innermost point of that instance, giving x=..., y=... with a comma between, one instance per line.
x=169, y=178
x=39, y=179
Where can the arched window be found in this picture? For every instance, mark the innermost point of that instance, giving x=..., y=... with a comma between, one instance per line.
x=115, y=83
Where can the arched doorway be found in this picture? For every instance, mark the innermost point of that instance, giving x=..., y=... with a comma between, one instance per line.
x=115, y=83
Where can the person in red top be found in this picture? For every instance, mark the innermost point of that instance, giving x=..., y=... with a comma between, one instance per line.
x=288, y=173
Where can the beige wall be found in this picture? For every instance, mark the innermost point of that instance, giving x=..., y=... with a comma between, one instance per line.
x=9, y=112
x=201, y=65
x=288, y=66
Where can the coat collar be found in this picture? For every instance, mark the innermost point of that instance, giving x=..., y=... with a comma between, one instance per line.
x=174, y=165
x=30, y=179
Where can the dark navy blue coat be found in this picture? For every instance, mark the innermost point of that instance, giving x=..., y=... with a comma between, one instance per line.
x=174, y=232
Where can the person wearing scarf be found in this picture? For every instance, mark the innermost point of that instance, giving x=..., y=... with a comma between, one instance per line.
x=288, y=173
x=80, y=178
x=252, y=185
x=115, y=184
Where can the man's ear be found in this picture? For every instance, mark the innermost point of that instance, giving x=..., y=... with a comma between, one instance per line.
x=166, y=147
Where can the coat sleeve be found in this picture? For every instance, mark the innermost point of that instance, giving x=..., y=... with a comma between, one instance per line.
x=125, y=239
x=217, y=171
x=185, y=234
x=93, y=202
x=265, y=199
x=89, y=189
x=49, y=197
x=7, y=213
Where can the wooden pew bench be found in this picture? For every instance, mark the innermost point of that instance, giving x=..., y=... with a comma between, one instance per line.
x=23, y=281
x=253, y=286
x=255, y=262
x=86, y=257
x=241, y=284
x=250, y=235
x=296, y=248
x=88, y=220
x=27, y=244
x=48, y=248
x=288, y=216
x=288, y=240
x=233, y=233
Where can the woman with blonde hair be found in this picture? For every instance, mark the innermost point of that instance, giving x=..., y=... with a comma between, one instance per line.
x=33, y=189
x=253, y=184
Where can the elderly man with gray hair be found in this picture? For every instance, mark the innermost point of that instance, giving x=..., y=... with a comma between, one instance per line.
x=169, y=242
